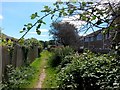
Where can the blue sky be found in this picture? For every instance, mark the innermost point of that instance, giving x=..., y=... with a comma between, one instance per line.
x=15, y=14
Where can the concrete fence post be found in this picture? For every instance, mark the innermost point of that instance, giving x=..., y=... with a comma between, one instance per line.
x=0, y=63
x=19, y=60
x=14, y=55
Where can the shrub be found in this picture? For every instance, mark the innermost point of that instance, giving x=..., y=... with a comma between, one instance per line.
x=59, y=54
x=89, y=71
x=16, y=78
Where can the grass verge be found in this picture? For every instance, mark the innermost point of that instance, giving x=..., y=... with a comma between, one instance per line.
x=38, y=65
x=50, y=79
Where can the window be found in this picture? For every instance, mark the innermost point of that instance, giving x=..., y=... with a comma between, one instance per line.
x=91, y=38
x=86, y=39
x=99, y=36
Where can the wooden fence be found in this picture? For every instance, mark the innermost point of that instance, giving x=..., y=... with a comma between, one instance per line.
x=16, y=56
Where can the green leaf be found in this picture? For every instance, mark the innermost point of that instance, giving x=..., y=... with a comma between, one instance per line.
x=43, y=22
x=93, y=18
x=40, y=21
x=90, y=2
x=83, y=18
x=99, y=22
x=33, y=16
x=38, y=32
x=111, y=28
x=29, y=26
x=64, y=14
x=70, y=11
x=46, y=7
x=39, y=25
x=83, y=3
x=21, y=31
x=43, y=10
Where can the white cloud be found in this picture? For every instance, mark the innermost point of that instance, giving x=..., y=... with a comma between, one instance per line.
x=1, y=17
x=74, y=20
x=42, y=31
x=43, y=35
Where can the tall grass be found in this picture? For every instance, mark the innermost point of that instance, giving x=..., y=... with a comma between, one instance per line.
x=50, y=80
x=38, y=65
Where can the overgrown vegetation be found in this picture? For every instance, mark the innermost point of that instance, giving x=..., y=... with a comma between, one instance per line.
x=16, y=78
x=23, y=77
x=58, y=55
x=50, y=79
x=90, y=71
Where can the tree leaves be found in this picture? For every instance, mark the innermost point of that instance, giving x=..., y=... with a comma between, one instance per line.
x=33, y=16
x=41, y=21
x=46, y=9
x=38, y=31
x=29, y=26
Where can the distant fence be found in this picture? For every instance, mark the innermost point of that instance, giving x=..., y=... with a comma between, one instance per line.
x=17, y=56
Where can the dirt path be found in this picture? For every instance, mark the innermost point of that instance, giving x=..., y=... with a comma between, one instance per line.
x=42, y=73
x=41, y=79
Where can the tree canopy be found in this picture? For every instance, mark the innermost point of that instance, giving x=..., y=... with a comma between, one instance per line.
x=65, y=33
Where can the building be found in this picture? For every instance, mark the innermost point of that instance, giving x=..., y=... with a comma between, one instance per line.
x=96, y=41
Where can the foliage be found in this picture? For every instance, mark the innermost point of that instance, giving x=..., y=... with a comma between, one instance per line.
x=59, y=54
x=65, y=33
x=16, y=78
x=2, y=85
x=50, y=79
x=30, y=42
x=87, y=11
x=5, y=42
x=25, y=76
x=90, y=71
x=66, y=60
x=38, y=64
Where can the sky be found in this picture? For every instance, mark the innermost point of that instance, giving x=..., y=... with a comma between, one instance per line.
x=13, y=16
x=15, y=13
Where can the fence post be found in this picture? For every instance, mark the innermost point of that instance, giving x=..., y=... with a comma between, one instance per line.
x=0, y=63
x=14, y=56
x=19, y=60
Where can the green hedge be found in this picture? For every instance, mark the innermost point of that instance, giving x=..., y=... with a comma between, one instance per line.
x=59, y=54
x=89, y=71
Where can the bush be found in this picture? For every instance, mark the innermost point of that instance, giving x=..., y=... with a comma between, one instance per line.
x=16, y=78
x=89, y=71
x=59, y=54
